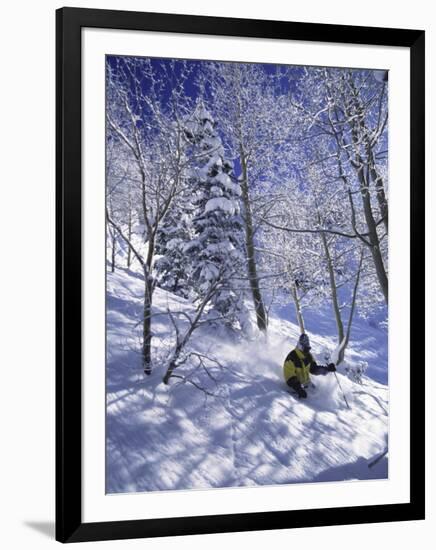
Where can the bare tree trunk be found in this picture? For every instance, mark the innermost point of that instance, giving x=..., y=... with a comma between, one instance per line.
x=300, y=319
x=381, y=195
x=359, y=166
x=372, y=233
x=129, y=227
x=259, y=306
x=372, y=169
x=148, y=293
x=148, y=298
x=353, y=307
x=114, y=245
x=113, y=239
x=146, y=330
x=182, y=342
x=334, y=292
x=342, y=335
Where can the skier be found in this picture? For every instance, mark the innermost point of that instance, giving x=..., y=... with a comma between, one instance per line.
x=299, y=364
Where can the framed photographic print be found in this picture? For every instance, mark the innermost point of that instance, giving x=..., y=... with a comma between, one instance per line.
x=240, y=292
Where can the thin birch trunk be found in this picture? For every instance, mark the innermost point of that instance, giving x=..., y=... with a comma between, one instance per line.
x=372, y=233
x=114, y=244
x=334, y=291
x=353, y=307
x=297, y=304
x=259, y=306
x=129, y=227
x=381, y=195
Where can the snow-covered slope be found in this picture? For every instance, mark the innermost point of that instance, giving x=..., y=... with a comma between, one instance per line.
x=251, y=431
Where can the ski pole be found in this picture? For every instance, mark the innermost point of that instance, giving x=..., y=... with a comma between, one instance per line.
x=340, y=387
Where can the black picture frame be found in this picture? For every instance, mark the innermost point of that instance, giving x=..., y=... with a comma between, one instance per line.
x=69, y=525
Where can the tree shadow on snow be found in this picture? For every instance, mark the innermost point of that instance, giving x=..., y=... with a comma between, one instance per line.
x=357, y=470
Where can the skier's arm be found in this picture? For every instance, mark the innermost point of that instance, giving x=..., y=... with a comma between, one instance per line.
x=319, y=369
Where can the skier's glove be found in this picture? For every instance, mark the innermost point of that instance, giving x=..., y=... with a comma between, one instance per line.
x=302, y=394
x=331, y=367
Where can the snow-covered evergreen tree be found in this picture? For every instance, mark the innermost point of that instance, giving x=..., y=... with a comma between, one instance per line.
x=214, y=254
x=175, y=233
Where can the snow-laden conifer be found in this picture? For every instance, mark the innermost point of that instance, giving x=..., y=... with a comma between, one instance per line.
x=214, y=254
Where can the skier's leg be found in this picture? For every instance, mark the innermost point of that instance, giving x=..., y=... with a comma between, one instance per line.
x=295, y=384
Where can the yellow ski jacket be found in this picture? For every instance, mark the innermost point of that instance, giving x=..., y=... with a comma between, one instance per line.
x=301, y=365
x=298, y=363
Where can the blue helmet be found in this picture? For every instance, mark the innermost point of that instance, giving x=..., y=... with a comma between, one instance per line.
x=303, y=342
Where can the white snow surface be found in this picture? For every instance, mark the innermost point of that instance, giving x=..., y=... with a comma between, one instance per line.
x=252, y=432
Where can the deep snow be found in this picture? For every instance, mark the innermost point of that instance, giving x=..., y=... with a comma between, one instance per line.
x=252, y=431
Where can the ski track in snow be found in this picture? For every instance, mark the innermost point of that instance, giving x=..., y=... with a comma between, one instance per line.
x=253, y=432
